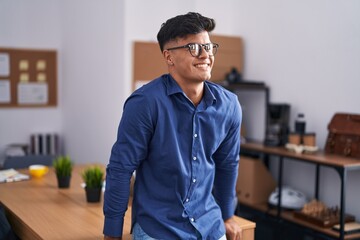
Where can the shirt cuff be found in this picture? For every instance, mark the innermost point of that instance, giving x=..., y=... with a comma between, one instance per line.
x=228, y=212
x=113, y=227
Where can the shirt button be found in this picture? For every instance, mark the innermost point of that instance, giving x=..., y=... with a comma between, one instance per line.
x=194, y=180
x=187, y=200
x=194, y=158
x=195, y=135
x=192, y=219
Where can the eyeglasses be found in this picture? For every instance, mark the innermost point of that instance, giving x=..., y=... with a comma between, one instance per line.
x=195, y=49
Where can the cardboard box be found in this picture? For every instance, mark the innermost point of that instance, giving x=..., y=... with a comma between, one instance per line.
x=255, y=183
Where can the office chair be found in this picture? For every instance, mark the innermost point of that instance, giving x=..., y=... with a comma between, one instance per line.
x=6, y=231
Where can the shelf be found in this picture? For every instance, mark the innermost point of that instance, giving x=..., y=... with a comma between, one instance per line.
x=245, y=85
x=340, y=163
x=289, y=216
x=328, y=231
x=318, y=157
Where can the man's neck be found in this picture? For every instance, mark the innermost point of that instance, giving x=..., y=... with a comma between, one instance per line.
x=194, y=91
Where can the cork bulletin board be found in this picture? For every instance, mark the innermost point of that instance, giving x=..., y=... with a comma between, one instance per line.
x=149, y=63
x=28, y=78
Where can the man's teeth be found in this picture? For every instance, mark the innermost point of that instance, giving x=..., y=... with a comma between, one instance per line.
x=201, y=65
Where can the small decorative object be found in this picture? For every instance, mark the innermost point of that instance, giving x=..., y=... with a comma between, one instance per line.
x=300, y=143
x=309, y=139
x=38, y=170
x=318, y=213
x=233, y=76
x=93, y=179
x=344, y=135
x=300, y=123
x=63, y=168
x=294, y=138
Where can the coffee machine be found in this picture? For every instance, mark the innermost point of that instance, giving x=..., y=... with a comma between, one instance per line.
x=277, y=129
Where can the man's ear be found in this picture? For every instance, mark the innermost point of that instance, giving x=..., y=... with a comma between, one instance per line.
x=168, y=58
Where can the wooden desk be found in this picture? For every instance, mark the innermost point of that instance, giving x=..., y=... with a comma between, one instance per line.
x=38, y=209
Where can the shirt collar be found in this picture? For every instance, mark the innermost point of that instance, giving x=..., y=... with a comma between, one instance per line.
x=172, y=88
x=171, y=85
x=209, y=96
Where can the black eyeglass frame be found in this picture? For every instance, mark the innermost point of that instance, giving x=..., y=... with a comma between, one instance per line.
x=202, y=46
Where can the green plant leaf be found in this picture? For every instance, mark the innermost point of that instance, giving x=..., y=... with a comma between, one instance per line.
x=63, y=166
x=93, y=177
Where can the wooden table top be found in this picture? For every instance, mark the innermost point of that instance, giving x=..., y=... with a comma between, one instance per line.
x=38, y=209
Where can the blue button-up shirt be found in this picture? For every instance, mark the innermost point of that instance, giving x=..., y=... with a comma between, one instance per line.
x=186, y=161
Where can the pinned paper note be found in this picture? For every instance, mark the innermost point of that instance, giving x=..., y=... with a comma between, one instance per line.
x=41, y=77
x=4, y=65
x=32, y=93
x=23, y=65
x=24, y=78
x=41, y=65
x=5, y=91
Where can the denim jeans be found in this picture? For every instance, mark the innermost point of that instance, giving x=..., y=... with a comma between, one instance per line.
x=139, y=234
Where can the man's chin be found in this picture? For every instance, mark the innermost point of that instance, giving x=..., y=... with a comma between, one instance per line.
x=203, y=77
x=207, y=78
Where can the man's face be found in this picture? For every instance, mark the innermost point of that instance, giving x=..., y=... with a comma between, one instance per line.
x=183, y=66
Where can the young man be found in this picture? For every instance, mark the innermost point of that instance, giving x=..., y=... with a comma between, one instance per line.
x=181, y=134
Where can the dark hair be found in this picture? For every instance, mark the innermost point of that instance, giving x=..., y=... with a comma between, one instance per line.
x=182, y=25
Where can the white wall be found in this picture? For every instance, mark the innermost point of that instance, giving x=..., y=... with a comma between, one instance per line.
x=94, y=84
x=29, y=24
x=308, y=52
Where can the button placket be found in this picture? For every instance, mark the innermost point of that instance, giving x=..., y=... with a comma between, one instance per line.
x=194, y=149
x=194, y=159
x=195, y=143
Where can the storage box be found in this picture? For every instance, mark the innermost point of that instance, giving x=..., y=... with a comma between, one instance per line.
x=255, y=183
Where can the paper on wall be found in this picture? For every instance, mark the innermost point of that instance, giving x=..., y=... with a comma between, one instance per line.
x=5, y=94
x=33, y=93
x=4, y=65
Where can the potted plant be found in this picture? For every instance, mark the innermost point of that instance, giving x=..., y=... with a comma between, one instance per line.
x=63, y=166
x=93, y=178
